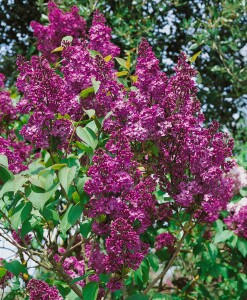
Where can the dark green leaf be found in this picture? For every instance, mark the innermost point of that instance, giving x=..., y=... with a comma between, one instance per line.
x=85, y=228
x=90, y=291
x=39, y=199
x=20, y=214
x=72, y=214
x=5, y=174
x=15, y=267
x=3, y=271
x=82, y=277
x=154, y=261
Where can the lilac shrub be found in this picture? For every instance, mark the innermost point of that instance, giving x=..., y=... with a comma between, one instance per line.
x=108, y=145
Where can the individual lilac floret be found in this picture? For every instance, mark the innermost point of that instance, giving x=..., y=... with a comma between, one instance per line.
x=237, y=220
x=165, y=240
x=100, y=36
x=61, y=24
x=40, y=290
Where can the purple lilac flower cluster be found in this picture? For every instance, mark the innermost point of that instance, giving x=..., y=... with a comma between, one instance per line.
x=166, y=114
x=40, y=290
x=44, y=96
x=165, y=239
x=74, y=268
x=237, y=219
x=122, y=205
x=47, y=95
x=61, y=24
x=16, y=151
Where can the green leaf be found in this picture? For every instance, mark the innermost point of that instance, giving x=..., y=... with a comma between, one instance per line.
x=94, y=53
x=107, y=58
x=199, y=78
x=90, y=291
x=5, y=174
x=213, y=251
x=72, y=214
x=13, y=185
x=82, y=277
x=242, y=246
x=243, y=192
x=122, y=62
x=222, y=236
x=58, y=49
x=72, y=296
x=63, y=117
x=154, y=261
x=66, y=176
x=85, y=228
x=122, y=73
x=137, y=297
x=15, y=267
x=96, y=84
x=67, y=38
x=39, y=199
x=88, y=136
x=194, y=57
x=4, y=161
x=57, y=166
x=3, y=271
x=44, y=180
x=90, y=112
x=20, y=214
x=86, y=92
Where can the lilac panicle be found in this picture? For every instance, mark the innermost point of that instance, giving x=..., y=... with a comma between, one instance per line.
x=16, y=151
x=40, y=290
x=61, y=24
x=100, y=36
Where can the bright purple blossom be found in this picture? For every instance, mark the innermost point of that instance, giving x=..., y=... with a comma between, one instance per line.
x=61, y=24
x=124, y=247
x=44, y=96
x=165, y=240
x=74, y=268
x=40, y=290
x=100, y=36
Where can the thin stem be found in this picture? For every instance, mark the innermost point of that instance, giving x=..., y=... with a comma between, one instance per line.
x=163, y=273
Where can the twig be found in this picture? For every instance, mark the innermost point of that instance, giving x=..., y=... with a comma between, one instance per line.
x=163, y=273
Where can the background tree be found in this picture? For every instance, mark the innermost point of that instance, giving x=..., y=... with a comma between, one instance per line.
x=15, y=33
